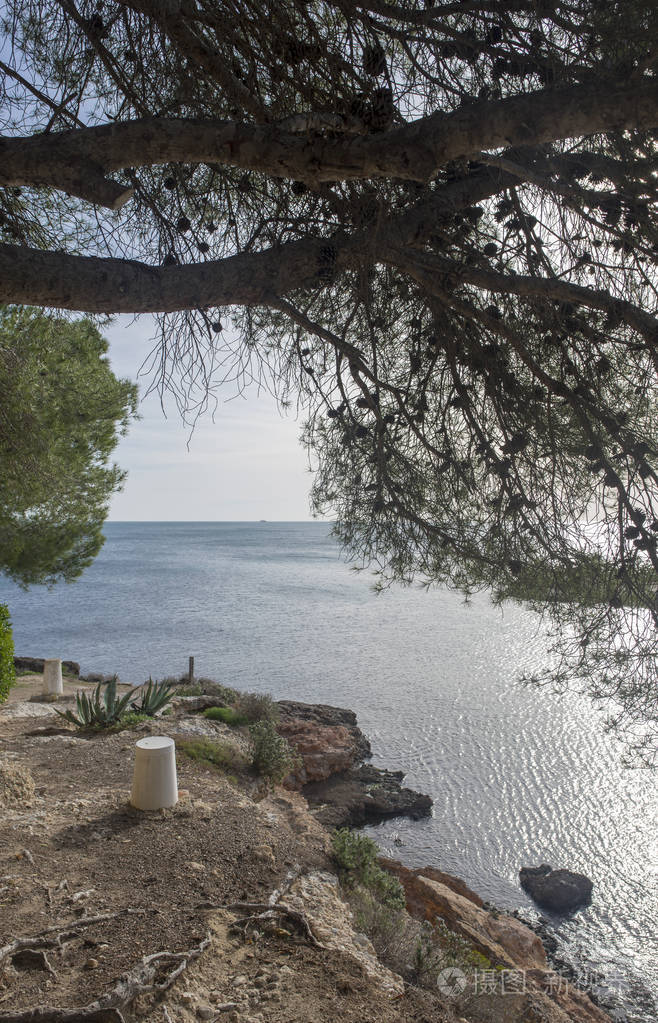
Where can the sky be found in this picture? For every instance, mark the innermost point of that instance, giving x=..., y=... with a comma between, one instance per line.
x=245, y=465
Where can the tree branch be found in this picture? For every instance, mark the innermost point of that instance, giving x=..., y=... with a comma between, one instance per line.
x=93, y=284
x=77, y=161
x=168, y=15
x=643, y=322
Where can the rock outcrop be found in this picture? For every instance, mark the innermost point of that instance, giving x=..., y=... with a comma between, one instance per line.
x=365, y=795
x=318, y=896
x=324, y=750
x=558, y=890
x=503, y=939
x=510, y=945
x=36, y=664
x=331, y=747
x=324, y=716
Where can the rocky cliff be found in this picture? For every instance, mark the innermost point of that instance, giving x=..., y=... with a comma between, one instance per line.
x=226, y=907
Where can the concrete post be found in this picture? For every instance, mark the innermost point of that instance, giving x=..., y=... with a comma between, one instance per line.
x=155, y=784
x=52, y=677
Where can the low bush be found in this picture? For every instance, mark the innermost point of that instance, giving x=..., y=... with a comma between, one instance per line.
x=394, y=934
x=7, y=673
x=209, y=751
x=224, y=694
x=356, y=856
x=272, y=755
x=130, y=720
x=229, y=715
x=257, y=707
x=187, y=689
x=458, y=951
x=418, y=951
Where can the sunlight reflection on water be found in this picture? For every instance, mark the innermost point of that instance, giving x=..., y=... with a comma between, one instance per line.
x=517, y=776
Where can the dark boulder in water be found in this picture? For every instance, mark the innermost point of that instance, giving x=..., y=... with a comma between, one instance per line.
x=559, y=890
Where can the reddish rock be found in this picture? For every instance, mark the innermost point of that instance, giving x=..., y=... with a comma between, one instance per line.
x=324, y=750
x=503, y=939
x=406, y=875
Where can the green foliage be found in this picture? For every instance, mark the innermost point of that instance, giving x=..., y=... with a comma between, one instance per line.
x=209, y=751
x=129, y=720
x=272, y=755
x=193, y=689
x=62, y=413
x=7, y=673
x=154, y=696
x=356, y=856
x=257, y=707
x=224, y=694
x=474, y=340
x=229, y=715
x=101, y=710
x=391, y=930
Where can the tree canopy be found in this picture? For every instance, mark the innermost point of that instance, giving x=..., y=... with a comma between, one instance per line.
x=61, y=413
x=433, y=223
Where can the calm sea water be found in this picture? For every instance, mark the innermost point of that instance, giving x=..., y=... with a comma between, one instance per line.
x=517, y=777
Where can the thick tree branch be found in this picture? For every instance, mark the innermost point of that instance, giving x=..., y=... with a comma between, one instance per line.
x=92, y=284
x=77, y=161
x=122, y=285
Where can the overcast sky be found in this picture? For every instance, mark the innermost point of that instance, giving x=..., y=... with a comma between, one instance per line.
x=246, y=465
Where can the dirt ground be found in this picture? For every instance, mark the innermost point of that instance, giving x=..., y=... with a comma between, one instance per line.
x=77, y=851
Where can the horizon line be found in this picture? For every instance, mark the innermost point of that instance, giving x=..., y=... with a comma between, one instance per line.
x=213, y=521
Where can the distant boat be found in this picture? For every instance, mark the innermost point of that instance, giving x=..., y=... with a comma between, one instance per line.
x=262, y=520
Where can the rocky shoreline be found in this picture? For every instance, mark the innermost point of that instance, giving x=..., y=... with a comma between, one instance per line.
x=343, y=791
x=333, y=786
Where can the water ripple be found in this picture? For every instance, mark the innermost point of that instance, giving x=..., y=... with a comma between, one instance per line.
x=517, y=776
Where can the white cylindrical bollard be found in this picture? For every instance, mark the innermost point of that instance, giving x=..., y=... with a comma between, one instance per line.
x=52, y=677
x=155, y=785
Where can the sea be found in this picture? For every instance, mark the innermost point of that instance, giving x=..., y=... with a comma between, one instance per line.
x=517, y=776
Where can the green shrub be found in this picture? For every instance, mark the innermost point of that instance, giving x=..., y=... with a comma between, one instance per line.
x=257, y=707
x=356, y=856
x=94, y=712
x=224, y=694
x=129, y=720
x=7, y=673
x=272, y=755
x=154, y=696
x=187, y=690
x=394, y=934
x=209, y=751
x=457, y=950
x=229, y=715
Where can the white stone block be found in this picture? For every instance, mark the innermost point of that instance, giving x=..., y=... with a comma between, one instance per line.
x=155, y=784
x=52, y=677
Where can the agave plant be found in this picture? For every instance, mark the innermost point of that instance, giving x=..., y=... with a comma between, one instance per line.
x=100, y=711
x=154, y=696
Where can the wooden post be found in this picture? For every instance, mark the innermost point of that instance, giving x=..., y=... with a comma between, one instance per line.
x=190, y=671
